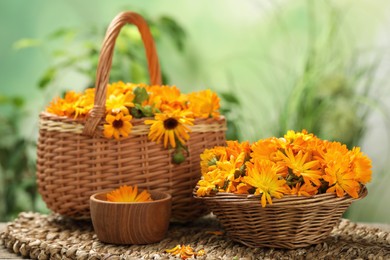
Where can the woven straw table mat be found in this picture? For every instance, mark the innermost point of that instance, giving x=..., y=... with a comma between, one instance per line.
x=52, y=237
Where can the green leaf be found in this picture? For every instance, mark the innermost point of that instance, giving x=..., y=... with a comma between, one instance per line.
x=15, y=101
x=18, y=101
x=67, y=33
x=147, y=111
x=139, y=111
x=176, y=32
x=178, y=157
x=230, y=98
x=47, y=77
x=136, y=112
x=140, y=95
x=26, y=43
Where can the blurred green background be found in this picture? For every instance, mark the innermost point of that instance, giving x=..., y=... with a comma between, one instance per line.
x=278, y=65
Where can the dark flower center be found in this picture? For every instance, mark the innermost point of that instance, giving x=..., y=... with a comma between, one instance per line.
x=117, y=124
x=170, y=123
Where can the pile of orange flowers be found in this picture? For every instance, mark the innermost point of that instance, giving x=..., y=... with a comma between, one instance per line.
x=298, y=164
x=185, y=252
x=172, y=110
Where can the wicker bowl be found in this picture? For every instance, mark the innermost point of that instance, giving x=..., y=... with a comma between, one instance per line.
x=290, y=222
x=131, y=222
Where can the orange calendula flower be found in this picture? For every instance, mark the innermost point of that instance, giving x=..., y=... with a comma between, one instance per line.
x=341, y=179
x=302, y=166
x=120, y=87
x=305, y=189
x=221, y=174
x=117, y=125
x=262, y=175
x=169, y=127
x=185, y=252
x=85, y=103
x=204, y=104
x=265, y=149
x=291, y=136
x=64, y=107
x=166, y=98
x=235, y=148
x=361, y=166
x=243, y=188
x=119, y=103
x=128, y=194
x=209, y=182
x=333, y=152
x=209, y=157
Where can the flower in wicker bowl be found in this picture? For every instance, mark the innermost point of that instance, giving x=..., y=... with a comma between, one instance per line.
x=286, y=192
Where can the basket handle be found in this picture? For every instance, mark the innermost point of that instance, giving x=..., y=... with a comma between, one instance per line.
x=105, y=62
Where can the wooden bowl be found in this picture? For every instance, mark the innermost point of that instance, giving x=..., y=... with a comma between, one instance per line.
x=131, y=222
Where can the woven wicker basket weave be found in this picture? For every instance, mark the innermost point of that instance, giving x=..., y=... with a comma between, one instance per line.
x=75, y=160
x=290, y=222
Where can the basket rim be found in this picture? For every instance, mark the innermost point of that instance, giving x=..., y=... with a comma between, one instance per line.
x=287, y=201
x=53, y=117
x=52, y=122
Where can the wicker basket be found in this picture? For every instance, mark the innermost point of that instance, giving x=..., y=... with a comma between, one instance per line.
x=75, y=160
x=290, y=222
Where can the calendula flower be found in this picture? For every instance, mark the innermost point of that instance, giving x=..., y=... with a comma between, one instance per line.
x=235, y=148
x=262, y=175
x=57, y=107
x=209, y=182
x=166, y=98
x=169, y=127
x=64, y=107
x=120, y=87
x=221, y=175
x=305, y=189
x=302, y=166
x=231, y=171
x=291, y=136
x=185, y=252
x=117, y=125
x=333, y=151
x=209, y=158
x=128, y=194
x=204, y=104
x=341, y=179
x=302, y=141
x=243, y=188
x=361, y=166
x=119, y=103
x=85, y=103
x=266, y=149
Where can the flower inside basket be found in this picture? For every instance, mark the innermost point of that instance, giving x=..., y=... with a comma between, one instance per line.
x=169, y=112
x=285, y=192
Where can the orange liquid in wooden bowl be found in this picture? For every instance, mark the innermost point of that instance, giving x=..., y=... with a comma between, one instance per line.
x=131, y=222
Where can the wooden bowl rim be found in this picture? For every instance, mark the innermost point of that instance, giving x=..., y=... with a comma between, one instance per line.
x=166, y=197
